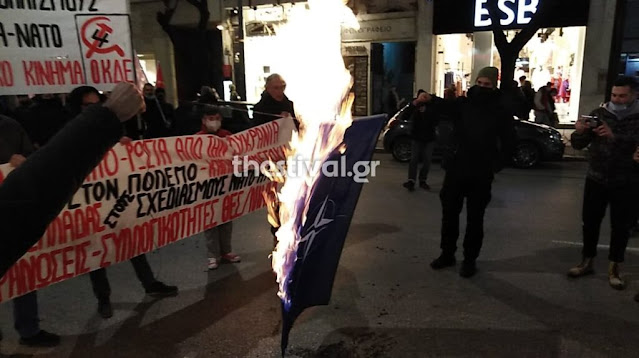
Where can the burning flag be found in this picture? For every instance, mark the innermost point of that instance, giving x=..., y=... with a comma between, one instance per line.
x=320, y=237
x=315, y=210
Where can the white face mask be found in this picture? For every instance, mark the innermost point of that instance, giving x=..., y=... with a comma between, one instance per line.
x=213, y=126
x=617, y=107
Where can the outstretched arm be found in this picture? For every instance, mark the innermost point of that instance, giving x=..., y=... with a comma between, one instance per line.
x=35, y=193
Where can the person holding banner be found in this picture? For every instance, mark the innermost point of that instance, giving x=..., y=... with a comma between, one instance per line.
x=30, y=197
x=79, y=99
x=15, y=146
x=158, y=119
x=218, y=239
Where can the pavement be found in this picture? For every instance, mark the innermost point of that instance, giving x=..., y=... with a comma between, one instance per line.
x=386, y=301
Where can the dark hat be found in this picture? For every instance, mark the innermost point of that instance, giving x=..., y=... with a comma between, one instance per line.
x=492, y=73
x=209, y=110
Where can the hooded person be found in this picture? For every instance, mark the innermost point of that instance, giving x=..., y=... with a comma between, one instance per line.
x=481, y=143
x=218, y=238
x=611, y=133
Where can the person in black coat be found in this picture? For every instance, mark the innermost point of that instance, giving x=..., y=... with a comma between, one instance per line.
x=44, y=118
x=425, y=117
x=483, y=138
x=274, y=104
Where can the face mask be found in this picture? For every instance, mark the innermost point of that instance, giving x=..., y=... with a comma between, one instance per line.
x=481, y=91
x=213, y=126
x=618, y=107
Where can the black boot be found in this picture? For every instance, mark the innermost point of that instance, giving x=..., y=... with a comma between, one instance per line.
x=41, y=339
x=410, y=185
x=443, y=261
x=104, y=309
x=468, y=269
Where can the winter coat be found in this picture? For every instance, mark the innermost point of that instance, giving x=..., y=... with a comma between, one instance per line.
x=44, y=118
x=269, y=105
x=34, y=194
x=425, y=118
x=610, y=161
x=158, y=118
x=13, y=140
x=483, y=137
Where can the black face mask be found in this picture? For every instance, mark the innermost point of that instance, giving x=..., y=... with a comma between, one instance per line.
x=481, y=93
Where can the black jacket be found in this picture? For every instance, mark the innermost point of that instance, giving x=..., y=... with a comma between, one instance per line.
x=35, y=193
x=610, y=162
x=44, y=118
x=13, y=140
x=268, y=105
x=158, y=118
x=483, y=136
x=425, y=118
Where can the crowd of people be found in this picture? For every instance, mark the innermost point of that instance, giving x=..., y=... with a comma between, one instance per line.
x=47, y=126
x=481, y=144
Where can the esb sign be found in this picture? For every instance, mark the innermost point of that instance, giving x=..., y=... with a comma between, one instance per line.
x=461, y=17
x=518, y=12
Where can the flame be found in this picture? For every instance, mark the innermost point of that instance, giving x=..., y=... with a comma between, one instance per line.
x=319, y=85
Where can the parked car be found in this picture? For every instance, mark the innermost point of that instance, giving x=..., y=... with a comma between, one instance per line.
x=536, y=142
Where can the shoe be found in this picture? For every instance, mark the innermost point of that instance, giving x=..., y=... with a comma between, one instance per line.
x=443, y=261
x=410, y=185
x=213, y=263
x=468, y=269
x=159, y=289
x=231, y=258
x=614, y=277
x=423, y=185
x=584, y=268
x=41, y=339
x=104, y=309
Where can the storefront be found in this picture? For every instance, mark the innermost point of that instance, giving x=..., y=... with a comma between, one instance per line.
x=629, y=47
x=381, y=55
x=555, y=54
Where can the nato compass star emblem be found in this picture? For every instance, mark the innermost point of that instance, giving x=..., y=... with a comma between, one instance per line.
x=319, y=224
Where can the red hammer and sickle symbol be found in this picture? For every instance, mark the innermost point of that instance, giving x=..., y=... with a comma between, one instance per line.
x=99, y=38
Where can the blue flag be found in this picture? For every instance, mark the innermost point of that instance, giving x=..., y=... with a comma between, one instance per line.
x=331, y=209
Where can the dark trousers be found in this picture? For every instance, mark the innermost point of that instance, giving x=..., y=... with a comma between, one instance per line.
x=420, y=151
x=25, y=315
x=476, y=191
x=623, y=209
x=100, y=281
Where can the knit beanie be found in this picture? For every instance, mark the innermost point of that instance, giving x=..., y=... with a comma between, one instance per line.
x=492, y=73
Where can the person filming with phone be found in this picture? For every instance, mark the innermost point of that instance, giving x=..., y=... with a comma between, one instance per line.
x=611, y=133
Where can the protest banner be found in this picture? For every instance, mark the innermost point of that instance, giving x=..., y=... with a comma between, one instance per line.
x=146, y=195
x=53, y=46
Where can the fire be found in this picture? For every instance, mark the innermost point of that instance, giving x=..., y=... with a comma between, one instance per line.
x=319, y=85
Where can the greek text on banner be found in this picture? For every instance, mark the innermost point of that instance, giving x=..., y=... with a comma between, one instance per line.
x=146, y=195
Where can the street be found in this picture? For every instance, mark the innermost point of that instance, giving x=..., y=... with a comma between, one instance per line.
x=386, y=302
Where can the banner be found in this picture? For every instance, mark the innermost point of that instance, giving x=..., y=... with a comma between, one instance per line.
x=146, y=195
x=53, y=46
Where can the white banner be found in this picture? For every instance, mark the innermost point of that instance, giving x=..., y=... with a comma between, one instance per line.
x=146, y=195
x=53, y=46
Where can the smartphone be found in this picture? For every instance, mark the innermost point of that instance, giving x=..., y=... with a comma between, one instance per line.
x=592, y=121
